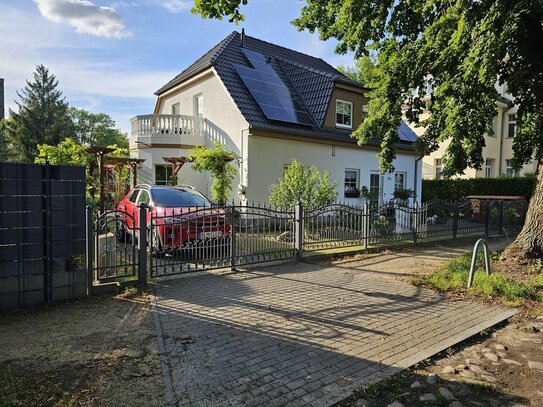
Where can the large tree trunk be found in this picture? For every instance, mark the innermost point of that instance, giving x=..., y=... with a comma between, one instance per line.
x=529, y=242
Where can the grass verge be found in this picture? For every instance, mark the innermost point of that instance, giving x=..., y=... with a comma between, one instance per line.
x=508, y=288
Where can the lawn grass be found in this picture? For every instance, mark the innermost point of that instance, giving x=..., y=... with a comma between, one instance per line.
x=453, y=277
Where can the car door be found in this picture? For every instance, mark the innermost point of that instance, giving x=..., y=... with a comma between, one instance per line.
x=145, y=198
x=128, y=210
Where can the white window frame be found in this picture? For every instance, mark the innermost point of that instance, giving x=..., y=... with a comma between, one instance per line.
x=509, y=171
x=175, y=109
x=438, y=163
x=199, y=107
x=168, y=175
x=404, y=183
x=379, y=185
x=342, y=125
x=489, y=167
x=511, y=120
x=356, y=183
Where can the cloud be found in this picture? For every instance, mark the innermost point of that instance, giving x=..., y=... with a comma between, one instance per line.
x=176, y=6
x=84, y=16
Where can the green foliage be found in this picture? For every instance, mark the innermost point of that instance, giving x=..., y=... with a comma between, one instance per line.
x=216, y=160
x=96, y=129
x=4, y=146
x=403, y=193
x=457, y=189
x=305, y=185
x=42, y=117
x=453, y=276
x=69, y=152
x=462, y=47
x=364, y=70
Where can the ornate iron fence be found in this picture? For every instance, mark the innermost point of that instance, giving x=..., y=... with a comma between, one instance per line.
x=122, y=246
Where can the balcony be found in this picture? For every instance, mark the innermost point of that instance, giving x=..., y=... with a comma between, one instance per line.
x=167, y=128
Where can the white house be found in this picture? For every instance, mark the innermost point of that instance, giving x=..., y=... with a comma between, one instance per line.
x=268, y=104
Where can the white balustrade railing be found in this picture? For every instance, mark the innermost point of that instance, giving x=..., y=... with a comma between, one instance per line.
x=167, y=124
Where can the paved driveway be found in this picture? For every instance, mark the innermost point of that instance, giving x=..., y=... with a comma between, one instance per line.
x=300, y=334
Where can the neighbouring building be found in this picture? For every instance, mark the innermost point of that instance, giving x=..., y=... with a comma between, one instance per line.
x=268, y=104
x=498, y=150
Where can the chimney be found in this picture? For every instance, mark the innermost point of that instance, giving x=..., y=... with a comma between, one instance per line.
x=2, y=113
x=242, y=36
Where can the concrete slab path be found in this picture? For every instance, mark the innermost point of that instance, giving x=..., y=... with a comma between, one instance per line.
x=299, y=334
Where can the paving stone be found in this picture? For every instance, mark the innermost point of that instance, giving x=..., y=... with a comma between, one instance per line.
x=468, y=374
x=459, y=368
x=361, y=403
x=492, y=357
x=535, y=365
x=431, y=379
x=427, y=398
x=476, y=382
x=276, y=335
x=416, y=385
x=448, y=370
x=395, y=404
x=446, y=394
x=511, y=362
x=501, y=347
x=489, y=378
x=456, y=404
x=474, y=361
x=477, y=369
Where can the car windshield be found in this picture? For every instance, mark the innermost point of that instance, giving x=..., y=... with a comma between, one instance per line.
x=176, y=198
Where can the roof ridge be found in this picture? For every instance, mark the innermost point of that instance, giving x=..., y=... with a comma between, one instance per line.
x=225, y=42
x=306, y=67
x=293, y=50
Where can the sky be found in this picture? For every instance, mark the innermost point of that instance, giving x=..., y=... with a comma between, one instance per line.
x=110, y=56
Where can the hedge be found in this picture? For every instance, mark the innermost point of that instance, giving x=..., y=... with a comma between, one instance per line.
x=457, y=189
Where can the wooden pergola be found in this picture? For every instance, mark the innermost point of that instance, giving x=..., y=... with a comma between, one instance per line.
x=177, y=163
x=132, y=163
x=100, y=153
x=101, y=158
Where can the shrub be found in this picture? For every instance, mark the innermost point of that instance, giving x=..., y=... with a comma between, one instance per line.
x=459, y=189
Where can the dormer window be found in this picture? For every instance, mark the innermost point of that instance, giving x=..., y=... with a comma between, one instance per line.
x=344, y=114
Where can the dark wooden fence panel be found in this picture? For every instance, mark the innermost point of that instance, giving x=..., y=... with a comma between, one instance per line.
x=42, y=234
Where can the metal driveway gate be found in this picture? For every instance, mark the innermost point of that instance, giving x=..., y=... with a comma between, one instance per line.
x=213, y=238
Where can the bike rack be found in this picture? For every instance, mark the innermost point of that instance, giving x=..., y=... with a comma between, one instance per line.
x=474, y=260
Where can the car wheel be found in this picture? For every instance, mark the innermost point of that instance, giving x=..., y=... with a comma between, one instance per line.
x=154, y=243
x=120, y=232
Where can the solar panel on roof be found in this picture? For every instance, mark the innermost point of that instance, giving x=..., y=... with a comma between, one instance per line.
x=405, y=133
x=269, y=91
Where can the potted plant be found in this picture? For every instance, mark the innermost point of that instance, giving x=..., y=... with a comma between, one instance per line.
x=352, y=192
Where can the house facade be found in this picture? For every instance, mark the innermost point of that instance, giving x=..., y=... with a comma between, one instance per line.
x=498, y=150
x=268, y=105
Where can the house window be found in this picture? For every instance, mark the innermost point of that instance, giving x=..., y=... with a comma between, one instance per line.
x=344, y=113
x=509, y=171
x=438, y=165
x=351, y=184
x=512, y=125
x=199, y=105
x=163, y=174
x=375, y=187
x=399, y=180
x=489, y=168
x=175, y=108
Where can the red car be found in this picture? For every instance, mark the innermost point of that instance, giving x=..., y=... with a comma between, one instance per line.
x=177, y=217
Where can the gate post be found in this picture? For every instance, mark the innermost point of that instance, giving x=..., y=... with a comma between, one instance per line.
x=233, y=222
x=142, y=245
x=500, y=224
x=299, y=230
x=415, y=221
x=487, y=218
x=455, y=219
x=365, y=224
x=89, y=237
